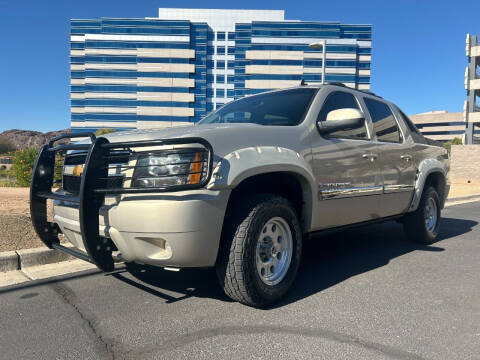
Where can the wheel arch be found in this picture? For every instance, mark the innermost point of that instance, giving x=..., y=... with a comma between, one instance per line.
x=271, y=170
x=290, y=185
x=430, y=173
x=437, y=180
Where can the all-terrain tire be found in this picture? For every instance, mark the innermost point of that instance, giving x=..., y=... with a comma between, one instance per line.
x=236, y=265
x=416, y=224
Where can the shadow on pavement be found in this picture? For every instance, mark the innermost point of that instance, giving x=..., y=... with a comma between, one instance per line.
x=327, y=260
x=157, y=281
x=330, y=259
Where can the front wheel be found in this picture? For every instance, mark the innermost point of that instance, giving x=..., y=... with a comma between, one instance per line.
x=260, y=250
x=422, y=224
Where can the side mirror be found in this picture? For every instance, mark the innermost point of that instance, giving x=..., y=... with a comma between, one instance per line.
x=341, y=119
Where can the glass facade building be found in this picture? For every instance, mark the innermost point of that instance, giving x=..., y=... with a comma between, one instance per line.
x=174, y=69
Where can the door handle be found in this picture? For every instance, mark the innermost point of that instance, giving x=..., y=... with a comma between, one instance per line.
x=407, y=158
x=370, y=157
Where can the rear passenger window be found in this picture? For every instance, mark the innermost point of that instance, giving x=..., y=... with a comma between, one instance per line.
x=342, y=100
x=384, y=123
x=409, y=122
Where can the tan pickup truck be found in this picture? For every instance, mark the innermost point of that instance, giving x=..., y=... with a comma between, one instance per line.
x=241, y=189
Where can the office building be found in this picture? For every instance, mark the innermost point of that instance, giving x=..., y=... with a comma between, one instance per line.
x=175, y=68
x=440, y=125
x=472, y=85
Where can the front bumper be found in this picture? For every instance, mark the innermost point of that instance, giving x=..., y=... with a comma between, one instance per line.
x=179, y=230
x=138, y=216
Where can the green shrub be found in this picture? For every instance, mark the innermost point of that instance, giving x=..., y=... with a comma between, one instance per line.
x=57, y=172
x=7, y=178
x=457, y=141
x=23, y=161
x=7, y=183
x=448, y=145
x=100, y=132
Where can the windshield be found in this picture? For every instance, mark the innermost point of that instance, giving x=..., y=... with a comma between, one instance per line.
x=287, y=108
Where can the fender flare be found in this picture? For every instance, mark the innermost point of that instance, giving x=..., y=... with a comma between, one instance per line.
x=244, y=163
x=425, y=168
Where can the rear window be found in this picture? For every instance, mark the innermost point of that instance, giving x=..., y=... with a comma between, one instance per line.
x=280, y=108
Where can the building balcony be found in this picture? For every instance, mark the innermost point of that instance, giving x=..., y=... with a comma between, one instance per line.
x=474, y=84
x=474, y=117
x=475, y=51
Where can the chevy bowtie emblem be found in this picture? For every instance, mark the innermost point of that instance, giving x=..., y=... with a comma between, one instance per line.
x=78, y=170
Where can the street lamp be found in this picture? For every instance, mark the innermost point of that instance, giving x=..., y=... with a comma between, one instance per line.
x=317, y=45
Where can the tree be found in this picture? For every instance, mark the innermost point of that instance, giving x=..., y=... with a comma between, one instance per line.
x=6, y=145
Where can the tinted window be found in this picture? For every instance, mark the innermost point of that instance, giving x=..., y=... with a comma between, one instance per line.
x=384, y=123
x=287, y=107
x=409, y=122
x=342, y=100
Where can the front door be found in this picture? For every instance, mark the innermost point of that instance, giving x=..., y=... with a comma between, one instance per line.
x=344, y=163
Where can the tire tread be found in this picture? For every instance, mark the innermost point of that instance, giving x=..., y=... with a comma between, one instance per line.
x=232, y=265
x=414, y=223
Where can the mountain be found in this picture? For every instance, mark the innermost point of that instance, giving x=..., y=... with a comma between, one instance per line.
x=27, y=138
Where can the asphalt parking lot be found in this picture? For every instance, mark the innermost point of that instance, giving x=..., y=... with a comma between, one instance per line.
x=363, y=293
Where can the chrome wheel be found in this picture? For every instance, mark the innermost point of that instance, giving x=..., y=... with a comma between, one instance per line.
x=431, y=215
x=274, y=251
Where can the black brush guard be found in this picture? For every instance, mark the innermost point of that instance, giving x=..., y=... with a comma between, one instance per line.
x=93, y=188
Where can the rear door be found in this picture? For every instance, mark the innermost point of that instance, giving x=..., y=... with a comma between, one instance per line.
x=395, y=158
x=348, y=178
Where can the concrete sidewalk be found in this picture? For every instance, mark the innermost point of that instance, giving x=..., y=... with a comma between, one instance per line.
x=44, y=271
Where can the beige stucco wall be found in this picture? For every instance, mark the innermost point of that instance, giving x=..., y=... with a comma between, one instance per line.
x=465, y=163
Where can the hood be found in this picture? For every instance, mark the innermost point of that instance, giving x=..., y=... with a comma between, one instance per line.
x=171, y=132
x=224, y=138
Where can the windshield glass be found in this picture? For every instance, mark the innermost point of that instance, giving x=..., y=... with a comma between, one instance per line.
x=287, y=108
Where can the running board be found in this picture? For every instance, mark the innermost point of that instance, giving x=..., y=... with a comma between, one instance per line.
x=76, y=253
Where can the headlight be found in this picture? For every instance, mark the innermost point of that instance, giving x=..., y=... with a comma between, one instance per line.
x=163, y=169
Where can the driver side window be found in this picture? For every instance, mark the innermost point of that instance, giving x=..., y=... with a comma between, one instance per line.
x=342, y=100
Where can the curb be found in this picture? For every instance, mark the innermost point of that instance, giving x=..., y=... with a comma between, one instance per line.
x=8, y=261
x=19, y=259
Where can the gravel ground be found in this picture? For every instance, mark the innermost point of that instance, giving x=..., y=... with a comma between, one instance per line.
x=16, y=230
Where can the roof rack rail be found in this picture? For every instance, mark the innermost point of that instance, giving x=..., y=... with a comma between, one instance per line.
x=336, y=83
x=364, y=91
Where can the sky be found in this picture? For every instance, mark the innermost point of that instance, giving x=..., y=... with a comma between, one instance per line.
x=418, y=55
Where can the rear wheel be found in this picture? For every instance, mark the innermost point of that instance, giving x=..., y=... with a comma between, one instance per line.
x=422, y=224
x=260, y=250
